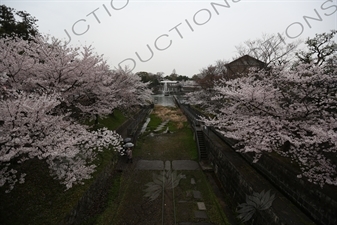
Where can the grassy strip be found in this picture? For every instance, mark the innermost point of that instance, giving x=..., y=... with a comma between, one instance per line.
x=186, y=200
x=112, y=203
x=155, y=121
x=180, y=145
x=216, y=213
x=112, y=121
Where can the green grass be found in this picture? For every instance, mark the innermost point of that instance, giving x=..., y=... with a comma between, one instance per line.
x=42, y=200
x=155, y=121
x=190, y=142
x=182, y=143
x=176, y=145
x=112, y=121
x=112, y=203
x=214, y=210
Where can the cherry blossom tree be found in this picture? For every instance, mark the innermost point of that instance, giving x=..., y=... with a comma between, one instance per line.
x=36, y=78
x=46, y=65
x=291, y=112
x=321, y=49
x=30, y=128
x=83, y=78
x=288, y=110
x=131, y=91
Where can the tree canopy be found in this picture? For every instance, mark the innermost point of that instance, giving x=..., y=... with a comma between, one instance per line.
x=24, y=28
x=41, y=81
x=288, y=110
x=270, y=49
x=321, y=50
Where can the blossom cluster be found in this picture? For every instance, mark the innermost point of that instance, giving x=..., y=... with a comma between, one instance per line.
x=288, y=111
x=41, y=80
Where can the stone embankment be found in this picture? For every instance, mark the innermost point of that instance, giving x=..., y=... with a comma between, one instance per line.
x=297, y=201
x=92, y=201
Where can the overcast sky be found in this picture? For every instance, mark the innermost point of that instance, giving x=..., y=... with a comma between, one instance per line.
x=159, y=36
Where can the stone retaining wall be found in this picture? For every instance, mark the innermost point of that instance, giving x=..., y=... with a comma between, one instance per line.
x=319, y=203
x=239, y=179
x=93, y=201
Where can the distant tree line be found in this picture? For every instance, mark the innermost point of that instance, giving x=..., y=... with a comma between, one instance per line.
x=154, y=79
x=24, y=28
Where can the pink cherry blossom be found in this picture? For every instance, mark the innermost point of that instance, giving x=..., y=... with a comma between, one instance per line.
x=36, y=78
x=265, y=110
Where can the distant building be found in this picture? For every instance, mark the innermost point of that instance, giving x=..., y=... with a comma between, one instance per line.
x=242, y=65
x=189, y=86
x=170, y=87
x=237, y=68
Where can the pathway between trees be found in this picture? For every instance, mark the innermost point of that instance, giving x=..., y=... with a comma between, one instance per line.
x=165, y=184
